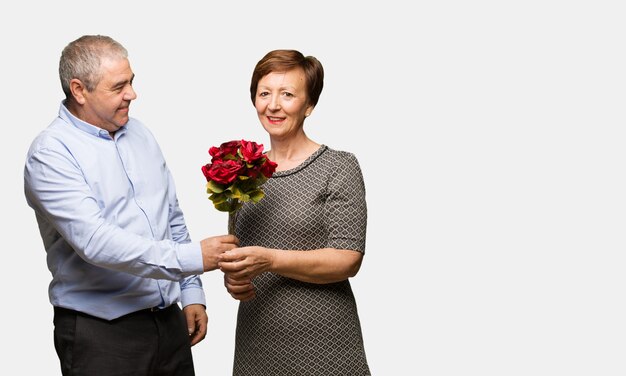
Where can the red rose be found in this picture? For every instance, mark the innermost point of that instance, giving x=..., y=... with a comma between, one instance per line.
x=215, y=152
x=251, y=151
x=226, y=148
x=205, y=171
x=268, y=168
x=230, y=147
x=235, y=175
x=222, y=172
x=253, y=172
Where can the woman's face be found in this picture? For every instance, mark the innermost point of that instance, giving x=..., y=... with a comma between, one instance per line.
x=281, y=102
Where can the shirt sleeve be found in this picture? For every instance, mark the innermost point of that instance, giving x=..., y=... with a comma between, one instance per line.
x=56, y=189
x=178, y=228
x=346, y=209
x=190, y=287
x=191, y=291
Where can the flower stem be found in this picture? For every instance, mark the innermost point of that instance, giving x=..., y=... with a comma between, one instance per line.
x=232, y=219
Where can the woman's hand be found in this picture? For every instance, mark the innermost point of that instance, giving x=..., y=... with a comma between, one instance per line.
x=242, y=290
x=245, y=263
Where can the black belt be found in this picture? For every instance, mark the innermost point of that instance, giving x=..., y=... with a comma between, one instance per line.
x=151, y=310
x=157, y=309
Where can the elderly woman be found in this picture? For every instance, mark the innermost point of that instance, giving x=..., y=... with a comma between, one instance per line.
x=301, y=243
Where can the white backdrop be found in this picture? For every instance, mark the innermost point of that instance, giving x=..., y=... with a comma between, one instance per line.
x=491, y=138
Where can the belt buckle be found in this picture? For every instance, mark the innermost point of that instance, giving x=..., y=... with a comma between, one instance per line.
x=155, y=309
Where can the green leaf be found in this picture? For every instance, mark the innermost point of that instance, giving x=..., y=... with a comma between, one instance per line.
x=229, y=206
x=234, y=191
x=224, y=206
x=256, y=195
x=218, y=198
x=214, y=187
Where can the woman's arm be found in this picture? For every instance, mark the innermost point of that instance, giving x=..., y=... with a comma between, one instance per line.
x=320, y=266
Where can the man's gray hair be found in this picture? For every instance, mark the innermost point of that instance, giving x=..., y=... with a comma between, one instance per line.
x=82, y=58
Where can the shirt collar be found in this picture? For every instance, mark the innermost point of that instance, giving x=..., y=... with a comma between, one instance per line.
x=66, y=115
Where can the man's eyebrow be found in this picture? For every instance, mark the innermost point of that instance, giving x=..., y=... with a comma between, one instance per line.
x=123, y=83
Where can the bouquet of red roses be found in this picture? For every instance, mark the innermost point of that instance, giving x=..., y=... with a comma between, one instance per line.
x=236, y=173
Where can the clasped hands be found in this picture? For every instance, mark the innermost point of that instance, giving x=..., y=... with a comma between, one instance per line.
x=239, y=265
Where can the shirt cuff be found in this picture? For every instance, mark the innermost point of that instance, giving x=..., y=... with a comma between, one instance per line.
x=190, y=258
x=194, y=295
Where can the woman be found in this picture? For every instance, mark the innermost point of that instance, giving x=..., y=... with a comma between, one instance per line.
x=301, y=243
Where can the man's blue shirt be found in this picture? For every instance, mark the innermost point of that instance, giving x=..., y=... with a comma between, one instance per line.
x=107, y=210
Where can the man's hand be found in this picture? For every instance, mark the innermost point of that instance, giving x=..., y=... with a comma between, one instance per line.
x=197, y=320
x=213, y=247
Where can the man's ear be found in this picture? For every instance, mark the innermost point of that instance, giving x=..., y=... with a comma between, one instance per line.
x=77, y=88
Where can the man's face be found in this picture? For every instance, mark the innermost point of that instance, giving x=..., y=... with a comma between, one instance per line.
x=107, y=105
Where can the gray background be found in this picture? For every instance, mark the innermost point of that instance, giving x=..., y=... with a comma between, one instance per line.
x=491, y=138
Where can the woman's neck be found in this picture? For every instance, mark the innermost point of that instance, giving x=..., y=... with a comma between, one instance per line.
x=291, y=153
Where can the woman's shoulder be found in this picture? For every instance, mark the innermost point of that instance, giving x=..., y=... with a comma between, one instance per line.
x=340, y=162
x=340, y=156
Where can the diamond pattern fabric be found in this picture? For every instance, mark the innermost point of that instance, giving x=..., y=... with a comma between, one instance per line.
x=295, y=328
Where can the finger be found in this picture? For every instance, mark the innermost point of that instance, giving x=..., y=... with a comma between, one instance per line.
x=231, y=267
x=240, y=289
x=235, y=273
x=198, y=335
x=201, y=329
x=228, y=246
x=229, y=239
x=244, y=297
x=191, y=322
x=241, y=275
x=228, y=279
x=228, y=256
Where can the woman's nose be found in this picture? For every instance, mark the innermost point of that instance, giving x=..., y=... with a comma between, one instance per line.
x=274, y=104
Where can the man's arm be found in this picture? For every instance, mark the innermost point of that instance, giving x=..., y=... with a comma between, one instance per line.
x=57, y=190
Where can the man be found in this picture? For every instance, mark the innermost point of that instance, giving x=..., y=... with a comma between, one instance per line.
x=116, y=240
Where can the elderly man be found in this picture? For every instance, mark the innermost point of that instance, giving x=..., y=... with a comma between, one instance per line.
x=117, y=245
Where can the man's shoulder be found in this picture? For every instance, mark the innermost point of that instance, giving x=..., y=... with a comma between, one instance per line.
x=54, y=136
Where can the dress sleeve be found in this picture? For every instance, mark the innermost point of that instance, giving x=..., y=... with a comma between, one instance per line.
x=346, y=209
